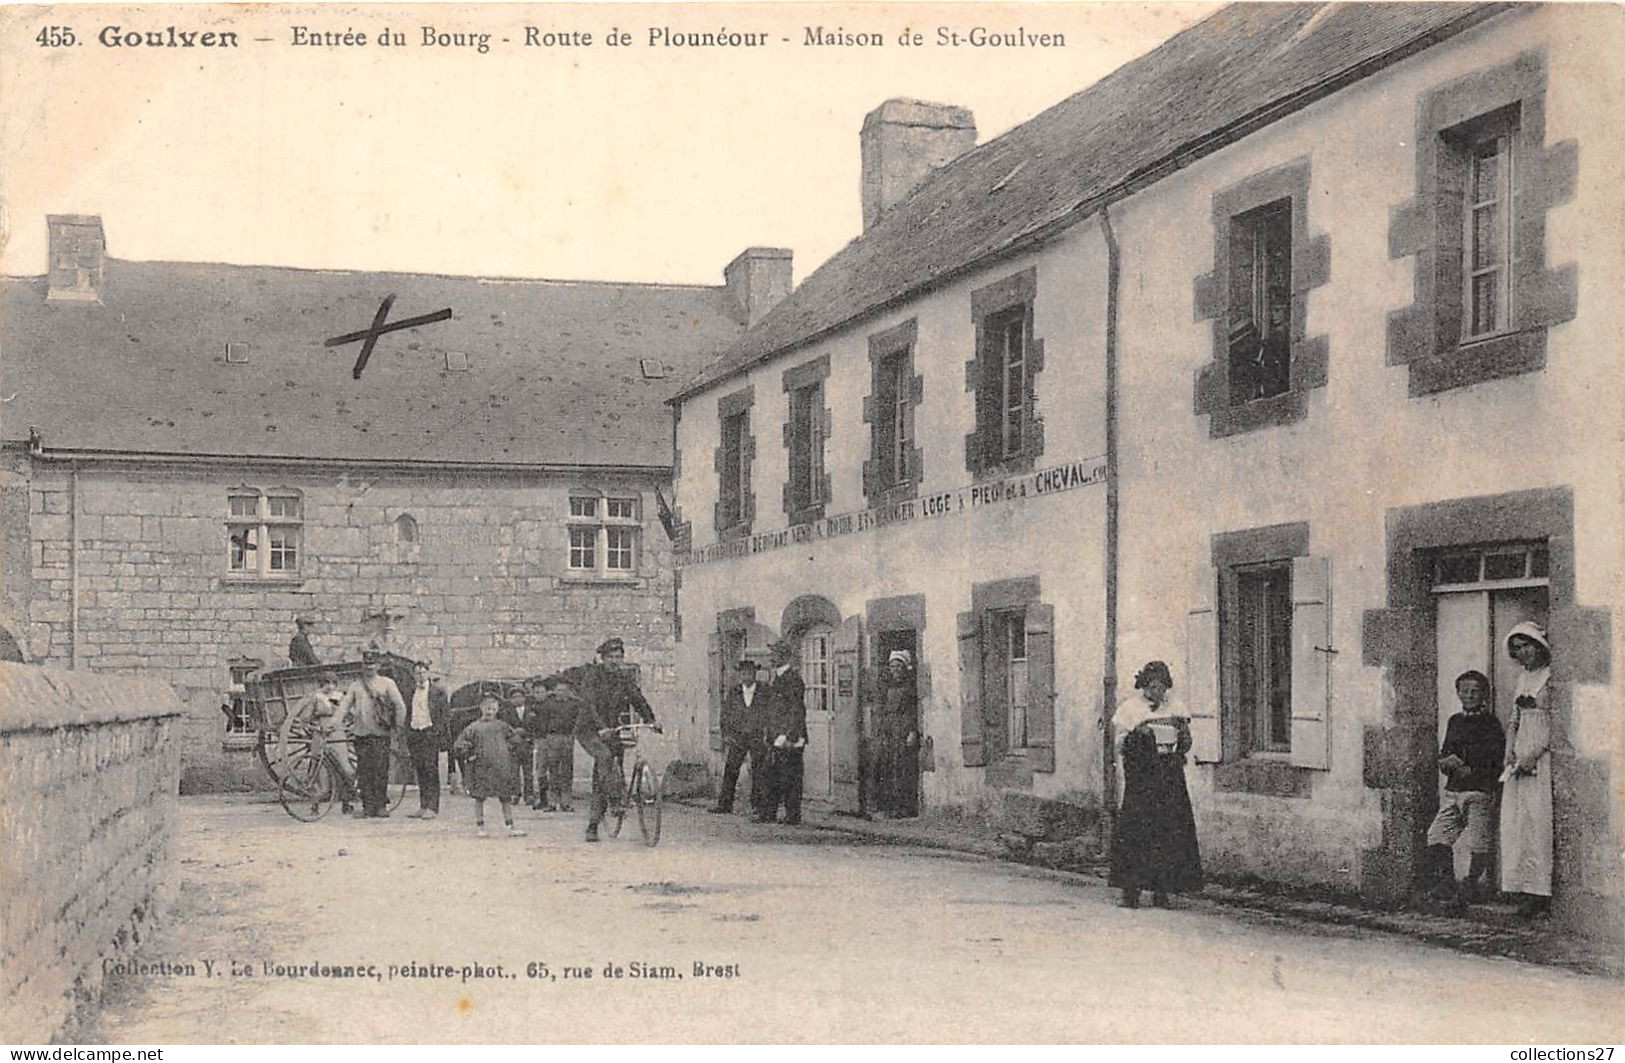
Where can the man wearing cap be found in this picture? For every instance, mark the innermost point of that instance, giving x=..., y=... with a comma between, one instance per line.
x=741, y=725
x=786, y=735
x=426, y=723
x=609, y=689
x=896, y=736
x=300, y=652
x=370, y=709
x=551, y=721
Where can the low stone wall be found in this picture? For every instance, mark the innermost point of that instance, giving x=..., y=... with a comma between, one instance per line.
x=89, y=769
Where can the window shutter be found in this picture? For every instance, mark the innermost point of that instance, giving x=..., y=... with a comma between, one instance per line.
x=713, y=712
x=1202, y=667
x=972, y=732
x=1040, y=623
x=1311, y=663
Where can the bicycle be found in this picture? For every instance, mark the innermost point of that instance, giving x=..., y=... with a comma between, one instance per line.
x=310, y=771
x=641, y=787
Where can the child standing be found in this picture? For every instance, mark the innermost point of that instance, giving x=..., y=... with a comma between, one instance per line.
x=491, y=750
x=1470, y=758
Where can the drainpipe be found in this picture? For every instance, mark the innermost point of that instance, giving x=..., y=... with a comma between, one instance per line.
x=73, y=566
x=1109, y=656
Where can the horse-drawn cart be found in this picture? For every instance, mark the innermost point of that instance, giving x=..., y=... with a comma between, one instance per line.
x=305, y=764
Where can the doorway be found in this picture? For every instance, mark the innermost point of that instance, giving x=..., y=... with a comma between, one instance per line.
x=1481, y=594
x=898, y=792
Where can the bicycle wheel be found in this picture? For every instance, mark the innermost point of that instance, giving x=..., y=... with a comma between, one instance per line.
x=646, y=787
x=307, y=788
x=617, y=813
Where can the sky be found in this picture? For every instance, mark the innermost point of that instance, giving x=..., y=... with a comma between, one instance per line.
x=639, y=163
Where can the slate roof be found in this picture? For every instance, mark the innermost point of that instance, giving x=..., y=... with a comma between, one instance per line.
x=555, y=377
x=1242, y=66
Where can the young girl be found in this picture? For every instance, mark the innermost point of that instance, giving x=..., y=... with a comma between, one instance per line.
x=490, y=749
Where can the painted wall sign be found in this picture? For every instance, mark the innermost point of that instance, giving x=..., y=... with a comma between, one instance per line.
x=1011, y=491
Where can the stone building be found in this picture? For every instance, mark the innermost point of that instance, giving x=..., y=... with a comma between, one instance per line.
x=187, y=469
x=1286, y=353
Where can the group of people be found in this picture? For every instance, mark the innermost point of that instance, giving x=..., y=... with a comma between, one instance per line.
x=1154, y=844
x=765, y=723
x=494, y=753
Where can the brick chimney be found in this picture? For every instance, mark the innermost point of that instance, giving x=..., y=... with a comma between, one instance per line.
x=903, y=141
x=78, y=251
x=758, y=279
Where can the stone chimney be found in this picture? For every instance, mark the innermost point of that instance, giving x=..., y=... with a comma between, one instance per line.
x=903, y=141
x=78, y=252
x=758, y=279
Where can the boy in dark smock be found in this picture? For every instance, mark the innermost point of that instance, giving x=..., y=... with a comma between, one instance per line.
x=491, y=749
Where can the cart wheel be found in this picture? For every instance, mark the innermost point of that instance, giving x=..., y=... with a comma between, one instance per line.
x=400, y=767
x=307, y=787
x=646, y=794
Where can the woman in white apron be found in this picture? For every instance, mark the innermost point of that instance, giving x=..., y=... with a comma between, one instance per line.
x=1526, y=790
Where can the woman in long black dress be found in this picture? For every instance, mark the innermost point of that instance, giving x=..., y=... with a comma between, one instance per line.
x=1154, y=845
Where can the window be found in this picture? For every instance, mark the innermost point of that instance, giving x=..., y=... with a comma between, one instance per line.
x=1263, y=655
x=603, y=535
x=735, y=466
x=263, y=533
x=1009, y=631
x=1471, y=567
x=815, y=665
x=1485, y=294
x=406, y=528
x=1007, y=681
x=1487, y=241
x=1258, y=644
x=1007, y=362
x=1009, y=433
x=242, y=722
x=1260, y=315
x=806, y=447
x=895, y=466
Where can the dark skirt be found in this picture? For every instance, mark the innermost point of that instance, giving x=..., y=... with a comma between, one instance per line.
x=1154, y=845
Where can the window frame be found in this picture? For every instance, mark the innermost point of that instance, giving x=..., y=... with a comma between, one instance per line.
x=1001, y=310
x=1252, y=646
x=806, y=447
x=895, y=467
x=1500, y=132
x=1266, y=291
x=816, y=670
x=734, y=510
x=260, y=529
x=589, y=525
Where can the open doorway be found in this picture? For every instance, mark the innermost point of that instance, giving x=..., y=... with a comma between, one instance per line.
x=1480, y=594
x=895, y=729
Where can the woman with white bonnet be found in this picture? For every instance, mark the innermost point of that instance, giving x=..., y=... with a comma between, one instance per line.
x=1526, y=781
x=897, y=726
x=1154, y=844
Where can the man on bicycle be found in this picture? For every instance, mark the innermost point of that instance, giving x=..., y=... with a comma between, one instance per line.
x=610, y=690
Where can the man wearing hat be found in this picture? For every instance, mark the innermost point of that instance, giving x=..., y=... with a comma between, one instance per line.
x=741, y=725
x=786, y=735
x=610, y=691
x=300, y=651
x=896, y=723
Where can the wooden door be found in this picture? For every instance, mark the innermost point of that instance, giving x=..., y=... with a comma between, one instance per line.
x=846, y=716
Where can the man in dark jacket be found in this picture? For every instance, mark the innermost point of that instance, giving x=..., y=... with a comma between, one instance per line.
x=610, y=691
x=741, y=724
x=425, y=724
x=300, y=652
x=551, y=721
x=786, y=737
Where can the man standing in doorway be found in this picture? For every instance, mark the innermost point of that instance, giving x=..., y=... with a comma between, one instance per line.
x=370, y=709
x=741, y=724
x=786, y=734
x=425, y=735
x=610, y=690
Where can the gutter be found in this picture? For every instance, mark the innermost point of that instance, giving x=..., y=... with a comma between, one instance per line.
x=76, y=456
x=1176, y=160
x=73, y=566
x=1108, y=666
